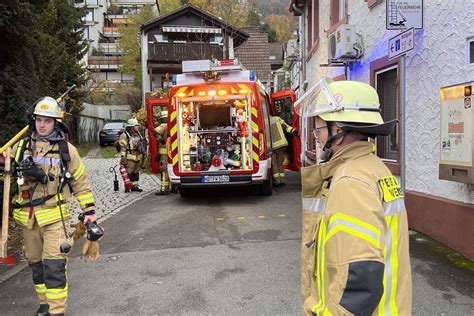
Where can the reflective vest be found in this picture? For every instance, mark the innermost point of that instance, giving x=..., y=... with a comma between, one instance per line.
x=277, y=125
x=354, y=248
x=46, y=210
x=161, y=137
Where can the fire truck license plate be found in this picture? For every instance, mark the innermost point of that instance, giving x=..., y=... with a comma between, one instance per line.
x=221, y=178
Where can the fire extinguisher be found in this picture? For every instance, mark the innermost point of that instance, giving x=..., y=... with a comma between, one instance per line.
x=125, y=177
x=116, y=183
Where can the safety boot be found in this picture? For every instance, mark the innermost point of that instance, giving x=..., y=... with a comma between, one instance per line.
x=43, y=310
x=136, y=189
x=166, y=192
x=127, y=191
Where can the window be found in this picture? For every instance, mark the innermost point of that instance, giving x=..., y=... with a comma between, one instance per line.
x=337, y=15
x=312, y=24
x=384, y=77
x=470, y=48
x=386, y=85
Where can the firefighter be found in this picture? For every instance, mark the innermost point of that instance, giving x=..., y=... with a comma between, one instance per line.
x=132, y=150
x=48, y=171
x=161, y=136
x=279, y=147
x=355, y=258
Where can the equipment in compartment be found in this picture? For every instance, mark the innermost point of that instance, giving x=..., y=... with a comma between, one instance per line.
x=215, y=136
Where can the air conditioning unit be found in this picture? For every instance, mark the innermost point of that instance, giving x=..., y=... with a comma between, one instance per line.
x=344, y=43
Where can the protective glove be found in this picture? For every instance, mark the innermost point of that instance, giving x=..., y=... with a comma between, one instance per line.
x=295, y=132
x=123, y=161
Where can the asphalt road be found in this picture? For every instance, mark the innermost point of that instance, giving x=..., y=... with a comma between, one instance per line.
x=220, y=253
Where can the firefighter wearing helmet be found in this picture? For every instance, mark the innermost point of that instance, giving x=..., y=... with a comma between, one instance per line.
x=133, y=147
x=161, y=136
x=355, y=258
x=49, y=171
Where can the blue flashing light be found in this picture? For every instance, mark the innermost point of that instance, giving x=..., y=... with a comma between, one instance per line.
x=173, y=80
x=252, y=75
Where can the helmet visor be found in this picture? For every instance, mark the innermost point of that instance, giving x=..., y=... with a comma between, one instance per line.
x=306, y=105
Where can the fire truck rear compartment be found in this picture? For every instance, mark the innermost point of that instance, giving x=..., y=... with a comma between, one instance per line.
x=215, y=136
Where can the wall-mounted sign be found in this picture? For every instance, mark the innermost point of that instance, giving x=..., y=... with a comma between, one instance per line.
x=401, y=43
x=404, y=14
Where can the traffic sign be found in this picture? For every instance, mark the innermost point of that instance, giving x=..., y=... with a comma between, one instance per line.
x=404, y=14
x=401, y=43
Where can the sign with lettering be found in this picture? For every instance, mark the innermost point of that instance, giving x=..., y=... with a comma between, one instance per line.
x=401, y=43
x=404, y=14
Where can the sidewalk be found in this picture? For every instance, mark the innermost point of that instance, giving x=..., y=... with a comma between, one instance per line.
x=107, y=201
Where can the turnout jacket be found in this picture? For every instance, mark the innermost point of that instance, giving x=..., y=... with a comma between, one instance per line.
x=355, y=257
x=129, y=147
x=46, y=156
x=161, y=137
x=277, y=126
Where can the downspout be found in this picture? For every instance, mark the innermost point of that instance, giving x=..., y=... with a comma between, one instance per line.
x=302, y=36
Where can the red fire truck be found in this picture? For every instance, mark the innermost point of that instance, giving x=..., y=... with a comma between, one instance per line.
x=219, y=127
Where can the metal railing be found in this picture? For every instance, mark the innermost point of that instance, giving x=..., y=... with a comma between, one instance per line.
x=183, y=51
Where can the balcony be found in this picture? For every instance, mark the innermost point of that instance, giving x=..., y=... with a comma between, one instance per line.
x=110, y=31
x=176, y=52
x=88, y=3
x=104, y=62
x=109, y=48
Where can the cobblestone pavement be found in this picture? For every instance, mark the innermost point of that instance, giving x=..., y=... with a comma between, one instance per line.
x=108, y=202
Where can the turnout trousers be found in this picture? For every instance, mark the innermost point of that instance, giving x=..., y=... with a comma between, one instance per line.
x=48, y=264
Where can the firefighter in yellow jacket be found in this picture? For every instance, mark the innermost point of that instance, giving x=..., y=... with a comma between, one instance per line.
x=355, y=258
x=49, y=170
x=161, y=136
x=279, y=147
x=132, y=150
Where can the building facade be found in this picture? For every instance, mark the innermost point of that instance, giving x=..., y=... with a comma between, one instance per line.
x=443, y=55
x=187, y=33
x=102, y=20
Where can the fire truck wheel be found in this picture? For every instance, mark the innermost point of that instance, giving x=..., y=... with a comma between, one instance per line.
x=266, y=189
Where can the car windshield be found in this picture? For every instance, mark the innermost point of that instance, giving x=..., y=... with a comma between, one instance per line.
x=113, y=126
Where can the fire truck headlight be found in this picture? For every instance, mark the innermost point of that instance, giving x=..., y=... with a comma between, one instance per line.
x=211, y=93
x=221, y=92
x=201, y=93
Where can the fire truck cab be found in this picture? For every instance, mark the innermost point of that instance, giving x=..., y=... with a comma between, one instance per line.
x=219, y=128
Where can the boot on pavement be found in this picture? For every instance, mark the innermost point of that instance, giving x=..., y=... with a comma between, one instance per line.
x=136, y=189
x=43, y=310
x=162, y=192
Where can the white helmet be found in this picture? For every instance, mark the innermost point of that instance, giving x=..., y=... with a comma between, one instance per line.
x=164, y=114
x=132, y=122
x=48, y=107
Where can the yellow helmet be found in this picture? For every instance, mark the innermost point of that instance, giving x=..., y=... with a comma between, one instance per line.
x=48, y=107
x=132, y=122
x=353, y=105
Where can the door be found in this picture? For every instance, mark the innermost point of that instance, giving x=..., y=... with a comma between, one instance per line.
x=153, y=108
x=282, y=106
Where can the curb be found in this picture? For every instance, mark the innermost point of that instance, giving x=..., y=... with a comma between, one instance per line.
x=12, y=272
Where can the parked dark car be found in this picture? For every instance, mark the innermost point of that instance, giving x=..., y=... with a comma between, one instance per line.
x=111, y=132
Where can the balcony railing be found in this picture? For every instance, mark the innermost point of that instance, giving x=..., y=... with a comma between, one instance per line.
x=108, y=48
x=110, y=31
x=183, y=51
x=104, y=62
